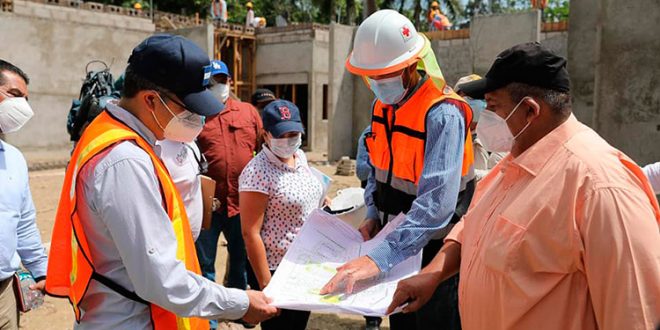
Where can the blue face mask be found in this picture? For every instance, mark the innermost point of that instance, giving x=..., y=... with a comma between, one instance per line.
x=388, y=90
x=478, y=106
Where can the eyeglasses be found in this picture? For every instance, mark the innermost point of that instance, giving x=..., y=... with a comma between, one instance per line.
x=164, y=96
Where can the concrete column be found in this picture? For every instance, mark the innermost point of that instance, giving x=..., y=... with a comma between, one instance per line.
x=582, y=57
x=627, y=84
x=340, y=92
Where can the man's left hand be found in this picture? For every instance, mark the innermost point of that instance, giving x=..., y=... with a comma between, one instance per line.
x=351, y=272
x=41, y=286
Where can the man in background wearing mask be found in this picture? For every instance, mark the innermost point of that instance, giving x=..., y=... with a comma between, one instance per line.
x=261, y=97
x=20, y=242
x=229, y=141
x=122, y=248
x=420, y=149
x=484, y=160
x=563, y=232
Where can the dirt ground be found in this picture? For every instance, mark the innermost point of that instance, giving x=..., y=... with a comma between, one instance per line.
x=57, y=313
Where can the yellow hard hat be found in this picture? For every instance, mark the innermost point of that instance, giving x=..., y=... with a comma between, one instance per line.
x=434, y=4
x=137, y=5
x=249, y=4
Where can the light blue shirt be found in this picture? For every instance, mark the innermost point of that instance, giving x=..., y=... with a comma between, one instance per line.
x=437, y=191
x=20, y=241
x=363, y=166
x=134, y=244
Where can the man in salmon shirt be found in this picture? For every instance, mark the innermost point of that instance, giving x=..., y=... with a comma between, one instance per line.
x=563, y=232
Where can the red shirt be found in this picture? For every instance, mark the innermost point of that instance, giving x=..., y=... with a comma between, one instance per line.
x=229, y=140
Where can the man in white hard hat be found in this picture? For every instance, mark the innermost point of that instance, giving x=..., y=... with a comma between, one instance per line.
x=415, y=117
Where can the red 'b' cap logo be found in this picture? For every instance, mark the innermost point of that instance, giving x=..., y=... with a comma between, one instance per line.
x=285, y=113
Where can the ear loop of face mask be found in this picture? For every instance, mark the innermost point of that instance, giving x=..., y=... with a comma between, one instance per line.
x=514, y=110
x=153, y=113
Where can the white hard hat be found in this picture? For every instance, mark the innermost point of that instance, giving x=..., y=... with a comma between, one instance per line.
x=385, y=42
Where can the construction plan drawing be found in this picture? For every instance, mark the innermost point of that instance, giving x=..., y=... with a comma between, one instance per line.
x=324, y=243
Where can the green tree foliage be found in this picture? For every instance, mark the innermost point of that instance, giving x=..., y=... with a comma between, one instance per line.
x=351, y=11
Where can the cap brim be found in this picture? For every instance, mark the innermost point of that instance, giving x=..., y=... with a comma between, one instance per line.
x=477, y=89
x=285, y=127
x=202, y=103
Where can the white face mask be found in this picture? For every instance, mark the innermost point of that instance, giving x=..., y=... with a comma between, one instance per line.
x=184, y=127
x=14, y=113
x=494, y=133
x=221, y=92
x=388, y=90
x=285, y=148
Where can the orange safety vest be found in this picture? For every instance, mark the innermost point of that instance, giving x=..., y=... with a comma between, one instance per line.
x=70, y=264
x=397, y=143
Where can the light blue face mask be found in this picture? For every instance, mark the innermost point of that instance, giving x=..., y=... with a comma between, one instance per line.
x=388, y=90
x=478, y=106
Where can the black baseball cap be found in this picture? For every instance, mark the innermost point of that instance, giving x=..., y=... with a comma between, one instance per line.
x=178, y=65
x=528, y=63
x=262, y=95
x=282, y=116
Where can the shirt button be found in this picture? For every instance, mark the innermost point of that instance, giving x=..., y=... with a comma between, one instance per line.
x=151, y=251
x=391, y=265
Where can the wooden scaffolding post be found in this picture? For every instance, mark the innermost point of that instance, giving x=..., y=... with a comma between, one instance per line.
x=253, y=67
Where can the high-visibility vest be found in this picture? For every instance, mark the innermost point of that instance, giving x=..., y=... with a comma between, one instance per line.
x=70, y=264
x=397, y=143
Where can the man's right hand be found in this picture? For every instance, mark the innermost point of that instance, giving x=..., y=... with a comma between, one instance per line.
x=259, y=309
x=369, y=228
x=414, y=292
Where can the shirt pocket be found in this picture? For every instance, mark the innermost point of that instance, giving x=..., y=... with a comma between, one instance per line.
x=245, y=133
x=501, y=249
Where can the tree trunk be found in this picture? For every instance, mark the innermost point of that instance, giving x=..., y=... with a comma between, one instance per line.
x=401, y=4
x=417, y=12
x=350, y=12
x=370, y=7
x=333, y=11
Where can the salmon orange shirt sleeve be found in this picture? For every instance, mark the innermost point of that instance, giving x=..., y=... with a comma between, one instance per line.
x=456, y=233
x=621, y=252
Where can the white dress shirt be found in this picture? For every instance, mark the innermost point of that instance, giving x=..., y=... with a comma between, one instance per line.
x=133, y=244
x=181, y=161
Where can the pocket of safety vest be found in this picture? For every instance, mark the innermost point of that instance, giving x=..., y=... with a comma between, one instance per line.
x=406, y=164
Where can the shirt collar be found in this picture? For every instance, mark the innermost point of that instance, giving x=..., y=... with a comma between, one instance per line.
x=132, y=122
x=229, y=106
x=276, y=161
x=534, y=158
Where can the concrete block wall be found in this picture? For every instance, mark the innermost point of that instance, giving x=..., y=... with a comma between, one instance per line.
x=489, y=35
x=52, y=45
x=298, y=57
x=201, y=35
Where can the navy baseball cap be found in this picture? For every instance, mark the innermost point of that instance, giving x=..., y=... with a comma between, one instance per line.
x=280, y=117
x=529, y=63
x=178, y=65
x=219, y=67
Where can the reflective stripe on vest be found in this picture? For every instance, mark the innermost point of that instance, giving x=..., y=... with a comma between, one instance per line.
x=70, y=264
x=397, y=143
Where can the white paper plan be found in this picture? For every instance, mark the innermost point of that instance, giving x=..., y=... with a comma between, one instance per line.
x=323, y=244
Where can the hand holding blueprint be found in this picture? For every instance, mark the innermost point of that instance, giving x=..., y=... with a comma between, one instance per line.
x=323, y=244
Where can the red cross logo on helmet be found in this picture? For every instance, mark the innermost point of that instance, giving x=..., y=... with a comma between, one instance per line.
x=285, y=113
x=406, y=33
